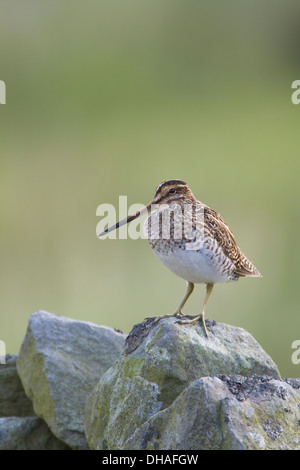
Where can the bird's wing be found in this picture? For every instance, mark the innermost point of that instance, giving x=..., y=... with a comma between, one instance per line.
x=219, y=230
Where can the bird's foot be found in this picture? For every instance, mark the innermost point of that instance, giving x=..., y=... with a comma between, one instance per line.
x=193, y=320
x=156, y=319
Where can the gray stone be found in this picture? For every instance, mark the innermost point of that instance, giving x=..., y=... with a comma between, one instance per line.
x=59, y=363
x=27, y=433
x=13, y=401
x=211, y=415
x=160, y=363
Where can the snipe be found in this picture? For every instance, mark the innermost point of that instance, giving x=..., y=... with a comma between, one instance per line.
x=192, y=240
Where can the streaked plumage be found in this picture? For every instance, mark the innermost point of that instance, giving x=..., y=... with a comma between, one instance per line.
x=192, y=240
x=218, y=260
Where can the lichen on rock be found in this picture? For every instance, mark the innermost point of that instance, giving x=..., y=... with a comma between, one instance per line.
x=150, y=387
x=59, y=363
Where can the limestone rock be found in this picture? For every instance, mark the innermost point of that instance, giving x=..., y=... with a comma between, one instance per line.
x=13, y=401
x=59, y=363
x=27, y=433
x=161, y=362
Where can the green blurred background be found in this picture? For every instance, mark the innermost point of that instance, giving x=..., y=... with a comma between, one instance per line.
x=109, y=98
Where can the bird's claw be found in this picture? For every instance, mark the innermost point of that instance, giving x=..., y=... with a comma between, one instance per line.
x=156, y=319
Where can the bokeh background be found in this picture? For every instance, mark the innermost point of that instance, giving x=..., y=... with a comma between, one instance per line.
x=109, y=98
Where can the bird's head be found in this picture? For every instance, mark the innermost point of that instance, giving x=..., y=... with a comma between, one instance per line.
x=173, y=191
x=166, y=193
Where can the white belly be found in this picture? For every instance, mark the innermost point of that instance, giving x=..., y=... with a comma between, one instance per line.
x=206, y=263
x=193, y=266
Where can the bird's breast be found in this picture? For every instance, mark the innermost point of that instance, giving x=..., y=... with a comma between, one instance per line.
x=186, y=249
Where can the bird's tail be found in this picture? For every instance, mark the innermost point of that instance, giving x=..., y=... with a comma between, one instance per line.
x=246, y=268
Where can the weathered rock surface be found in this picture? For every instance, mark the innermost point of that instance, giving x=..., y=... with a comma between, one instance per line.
x=167, y=387
x=59, y=363
x=164, y=392
x=27, y=433
x=20, y=429
x=13, y=401
x=227, y=413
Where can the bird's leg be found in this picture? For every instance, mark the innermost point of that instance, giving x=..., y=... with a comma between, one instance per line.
x=178, y=312
x=190, y=288
x=209, y=288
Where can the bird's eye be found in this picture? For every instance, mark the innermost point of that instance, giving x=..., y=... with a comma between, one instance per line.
x=172, y=190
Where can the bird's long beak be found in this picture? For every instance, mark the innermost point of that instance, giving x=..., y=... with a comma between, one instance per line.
x=127, y=219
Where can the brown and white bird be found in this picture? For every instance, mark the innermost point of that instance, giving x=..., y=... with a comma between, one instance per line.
x=192, y=240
